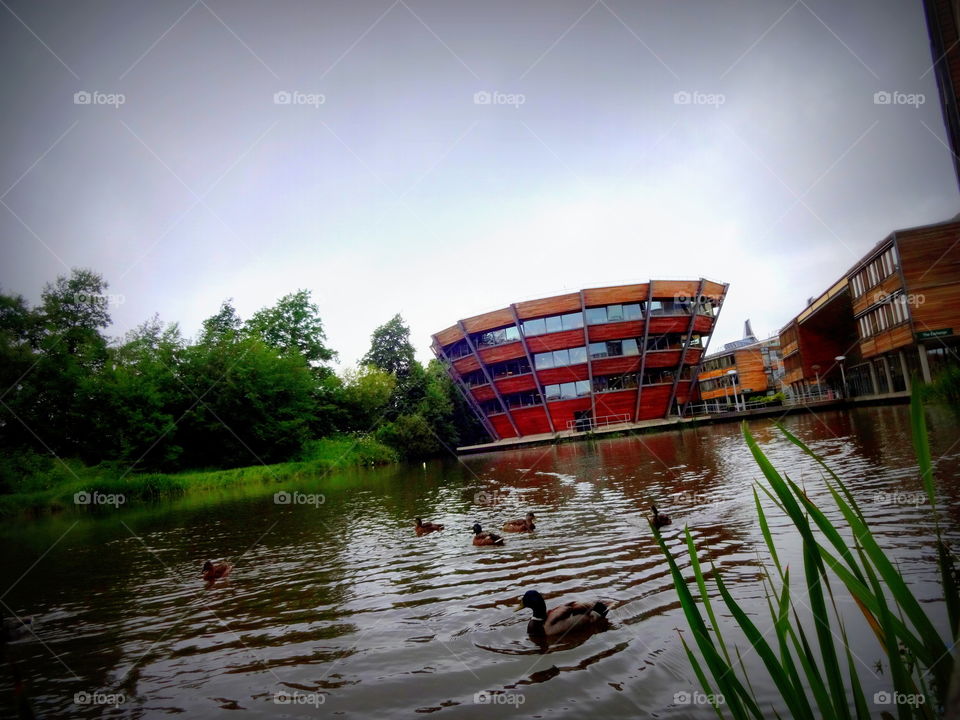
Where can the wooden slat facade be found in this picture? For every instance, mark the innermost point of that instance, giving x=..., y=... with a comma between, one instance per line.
x=508, y=398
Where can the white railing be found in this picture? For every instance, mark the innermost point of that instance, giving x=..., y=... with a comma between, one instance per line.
x=591, y=423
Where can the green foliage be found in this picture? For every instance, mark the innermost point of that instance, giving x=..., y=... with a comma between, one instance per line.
x=366, y=393
x=815, y=681
x=390, y=348
x=945, y=388
x=411, y=436
x=293, y=325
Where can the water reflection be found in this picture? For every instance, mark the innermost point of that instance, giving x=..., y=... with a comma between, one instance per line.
x=342, y=603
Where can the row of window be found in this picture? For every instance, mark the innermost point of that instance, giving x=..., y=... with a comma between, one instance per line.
x=560, y=358
x=718, y=363
x=892, y=312
x=581, y=388
x=716, y=384
x=878, y=269
x=594, y=316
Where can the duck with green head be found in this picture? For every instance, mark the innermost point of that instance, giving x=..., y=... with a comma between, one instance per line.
x=574, y=615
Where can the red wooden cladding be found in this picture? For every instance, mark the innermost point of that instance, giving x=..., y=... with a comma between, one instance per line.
x=531, y=421
x=562, y=411
x=502, y=425
x=448, y=336
x=930, y=258
x=555, y=341
x=663, y=358
x=483, y=392
x=548, y=306
x=615, y=295
x=499, y=353
x=713, y=290
x=489, y=321
x=683, y=392
x=517, y=383
x=616, y=365
x=615, y=331
x=703, y=324
x=653, y=401
x=663, y=324
x=621, y=402
x=466, y=364
x=564, y=374
x=669, y=289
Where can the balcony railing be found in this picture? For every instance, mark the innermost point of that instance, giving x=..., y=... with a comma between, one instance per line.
x=584, y=424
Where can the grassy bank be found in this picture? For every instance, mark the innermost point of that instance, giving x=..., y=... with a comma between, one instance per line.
x=40, y=484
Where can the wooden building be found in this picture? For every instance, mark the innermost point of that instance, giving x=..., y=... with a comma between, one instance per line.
x=585, y=359
x=743, y=370
x=943, y=26
x=895, y=314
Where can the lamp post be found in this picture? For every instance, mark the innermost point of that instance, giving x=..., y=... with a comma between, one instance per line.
x=732, y=374
x=816, y=370
x=843, y=375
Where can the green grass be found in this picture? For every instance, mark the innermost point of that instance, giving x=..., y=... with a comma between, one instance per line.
x=813, y=669
x=42, y=485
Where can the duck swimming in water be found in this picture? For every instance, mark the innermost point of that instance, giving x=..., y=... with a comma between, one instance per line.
x=576, y=614
x=216, y=571
x=659, y=519
x=423, y=528
x=524, y=524
x=485, y=538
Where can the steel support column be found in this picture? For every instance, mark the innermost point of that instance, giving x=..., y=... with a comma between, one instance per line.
x=703, y=355
x=643, y=349
x=533, y=369
x=586, y=346
x=463, y=390
x=486, y=374
x=683, y=353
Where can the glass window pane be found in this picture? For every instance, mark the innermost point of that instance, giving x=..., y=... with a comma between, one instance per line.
x=534, y=327
x=583, y=387
x=554, y=324
x=552, y=391
x=572, y=321
x=596, y=316
x=578, y=355
x=568, y=390
x=543, y=360
x=598, y=349
x=656, y=307
x=511, y=333
x=632, y=312
x=561, y=358
x=630, y=347
x=614, y=313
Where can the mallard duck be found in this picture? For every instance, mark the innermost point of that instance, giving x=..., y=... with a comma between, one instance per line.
x=563, y=618
x=423, y=528
x=485, y=538
x=659, y=519
x=524, y=524
x=216, y=571
x=14, y=628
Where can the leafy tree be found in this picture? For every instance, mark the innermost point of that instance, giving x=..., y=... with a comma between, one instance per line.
x=366, y=393
x=221, y=327
x=293, y=324
x=411, y=436
x=390, y=348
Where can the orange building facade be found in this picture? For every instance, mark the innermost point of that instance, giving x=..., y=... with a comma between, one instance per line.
x=582, y=360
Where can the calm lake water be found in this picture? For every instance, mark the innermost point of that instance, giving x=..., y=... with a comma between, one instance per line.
x=340, y=610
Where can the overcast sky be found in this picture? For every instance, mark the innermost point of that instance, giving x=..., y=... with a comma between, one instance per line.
x=737, y=140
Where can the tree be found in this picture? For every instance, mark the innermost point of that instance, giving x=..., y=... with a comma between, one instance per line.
x=390, y=348
x=293, y=324
x=221, y=327
x=366, y=393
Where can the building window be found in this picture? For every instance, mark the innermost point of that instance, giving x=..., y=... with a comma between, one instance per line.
x=519, y=366
x=458, y=350
x=554, y=323
x=560, y=358
x=671, y=307
x=475, y=378
x=614, y=348
x=498, y=337
x=567, y=391
x=522, y=399
x=608, y=383
x=614, y=313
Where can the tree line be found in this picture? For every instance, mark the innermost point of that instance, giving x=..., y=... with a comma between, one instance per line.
x=242, y=392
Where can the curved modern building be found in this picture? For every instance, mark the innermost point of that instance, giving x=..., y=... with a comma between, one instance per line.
x=596, y=357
